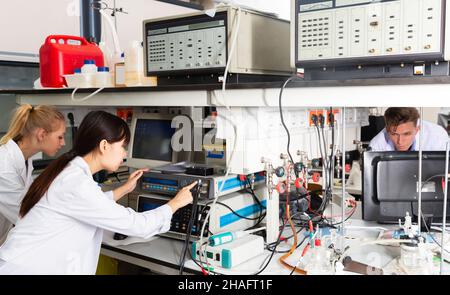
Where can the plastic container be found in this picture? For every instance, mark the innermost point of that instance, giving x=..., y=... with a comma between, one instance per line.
x=134, y=64
x=75, y=80
x=107, y=54
x=89, y=67
x=134, y=57
x=116, y=59
x=119, y=74
x=61, y=54
x=81, y=80
x=319, y=261
x=103, y=78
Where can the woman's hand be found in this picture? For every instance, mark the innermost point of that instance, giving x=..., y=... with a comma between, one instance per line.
x=130, y=185
x=183, y=198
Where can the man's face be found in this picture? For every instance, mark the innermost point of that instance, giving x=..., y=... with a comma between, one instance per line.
x=403, y=135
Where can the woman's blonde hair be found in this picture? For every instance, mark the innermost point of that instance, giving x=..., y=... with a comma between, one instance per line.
x=27, y=118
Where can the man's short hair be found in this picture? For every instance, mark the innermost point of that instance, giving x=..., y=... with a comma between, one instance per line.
x=396, y=116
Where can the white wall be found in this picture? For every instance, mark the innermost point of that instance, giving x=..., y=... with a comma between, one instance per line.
x=280, y=7
x=25, y=24
x=129, y=26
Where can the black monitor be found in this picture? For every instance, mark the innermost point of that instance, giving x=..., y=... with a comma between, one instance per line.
x=390, y=186
x=150, y=144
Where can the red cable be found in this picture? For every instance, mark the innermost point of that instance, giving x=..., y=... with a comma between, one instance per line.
x=305, y=249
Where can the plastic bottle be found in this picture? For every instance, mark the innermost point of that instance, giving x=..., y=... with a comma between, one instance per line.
x=103, y=78
x=80, y=80
x=89, y=67
x=117, y=58
x=88, y=70
x=134, y=64
x=119, y=72
x=319, y=261
x=107, y=55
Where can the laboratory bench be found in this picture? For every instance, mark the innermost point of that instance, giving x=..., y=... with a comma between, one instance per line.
x=161, y=255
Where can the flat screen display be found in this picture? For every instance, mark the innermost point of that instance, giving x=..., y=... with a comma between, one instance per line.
x=152, y=140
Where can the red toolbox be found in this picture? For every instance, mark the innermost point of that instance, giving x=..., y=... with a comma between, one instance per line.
x=61, y=55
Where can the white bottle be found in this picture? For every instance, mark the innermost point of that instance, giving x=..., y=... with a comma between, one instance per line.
x=79, y=80
x=119, y=72
x=134, y=64
x=89, y=67
x=103, y=78
x=88, y=70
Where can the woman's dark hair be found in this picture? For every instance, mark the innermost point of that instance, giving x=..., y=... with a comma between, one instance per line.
x=95, y=127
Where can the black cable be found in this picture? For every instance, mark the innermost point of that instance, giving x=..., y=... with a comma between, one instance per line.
x=334, y=224
x=282, y=117
x=232, y=211
x=255, y=198
x=327, y=166
x=252, y=191
x=273, y=252
x=290, y=237
x=325, y=146
x=190, y=225
x=331, y=119
x=198, y=264
x=325, y=163
x=331, y=161
x=320, y=142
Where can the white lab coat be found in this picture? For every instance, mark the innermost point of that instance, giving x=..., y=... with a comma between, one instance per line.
x=15, y=179
x=62, y=233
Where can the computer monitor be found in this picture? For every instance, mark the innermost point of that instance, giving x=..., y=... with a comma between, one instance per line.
x=150, y=144
x=390, y=186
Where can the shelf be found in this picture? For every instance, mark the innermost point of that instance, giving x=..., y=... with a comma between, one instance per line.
x=418, y=92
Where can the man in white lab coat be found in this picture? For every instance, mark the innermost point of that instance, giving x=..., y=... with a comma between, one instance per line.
x=402, y=133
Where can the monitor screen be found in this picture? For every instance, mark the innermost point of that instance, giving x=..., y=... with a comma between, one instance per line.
x=152, y=140
x=391, y=185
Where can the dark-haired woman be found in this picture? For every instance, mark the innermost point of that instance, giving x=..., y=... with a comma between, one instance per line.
x=65, y=212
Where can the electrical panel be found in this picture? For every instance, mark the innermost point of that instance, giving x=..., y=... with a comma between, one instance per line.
x=197, y=43
x=355, y=32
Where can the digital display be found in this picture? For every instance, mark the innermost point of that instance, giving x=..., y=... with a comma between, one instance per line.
x=152, y=140
x=149, y=206
x=160, y=181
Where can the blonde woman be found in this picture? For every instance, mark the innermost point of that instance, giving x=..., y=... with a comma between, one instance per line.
x=32, y=130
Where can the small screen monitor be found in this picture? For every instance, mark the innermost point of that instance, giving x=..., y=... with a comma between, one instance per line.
x=150, y=145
